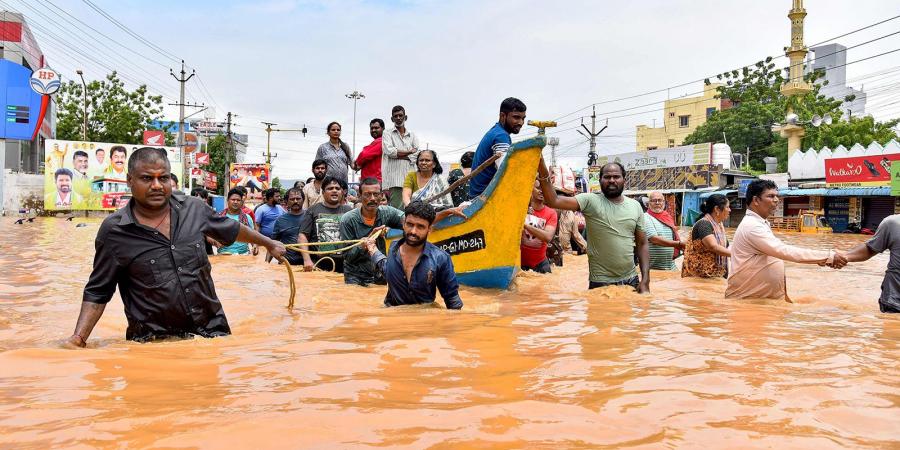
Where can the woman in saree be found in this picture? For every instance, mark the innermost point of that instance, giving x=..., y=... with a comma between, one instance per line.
x=706, y=253
x=426, y=182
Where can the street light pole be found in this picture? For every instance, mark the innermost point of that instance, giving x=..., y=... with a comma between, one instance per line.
x=84, y=126
x=355, y=96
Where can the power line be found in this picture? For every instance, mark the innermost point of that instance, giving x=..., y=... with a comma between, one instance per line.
x=131, y=33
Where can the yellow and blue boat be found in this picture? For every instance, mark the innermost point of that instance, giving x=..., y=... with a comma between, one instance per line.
x=485, y=247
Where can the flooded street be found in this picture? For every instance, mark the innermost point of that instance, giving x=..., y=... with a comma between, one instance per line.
x=547, y=365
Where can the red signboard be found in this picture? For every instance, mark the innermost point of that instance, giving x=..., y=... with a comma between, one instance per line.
x=860, y=171
x=210, y=181
x=202, y=159
x=154, y=137
x=197, y=172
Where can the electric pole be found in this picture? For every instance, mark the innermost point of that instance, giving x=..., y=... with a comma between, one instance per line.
x=231, y=155
x=592, y=136
x=355, y=96
x=182, y=80
x=269, y=131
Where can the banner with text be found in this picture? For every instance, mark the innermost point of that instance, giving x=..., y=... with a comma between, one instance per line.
x=90, y=175
x=685, y=155
x=859, y=171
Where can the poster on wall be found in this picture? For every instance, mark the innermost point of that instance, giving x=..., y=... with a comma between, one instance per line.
x=254, y=177
x=90, y=176
x=860, y=170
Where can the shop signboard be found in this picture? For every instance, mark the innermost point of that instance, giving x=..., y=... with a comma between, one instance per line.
x=210, y=181
x=254, y=177
x=683, y=156
x=154, y=137
x=90, y=176
x=859, y=171
x=742, y=188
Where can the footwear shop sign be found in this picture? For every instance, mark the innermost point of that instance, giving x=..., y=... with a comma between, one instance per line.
x=860, y=171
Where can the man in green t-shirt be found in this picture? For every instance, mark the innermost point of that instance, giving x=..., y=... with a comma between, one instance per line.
x=615, y=226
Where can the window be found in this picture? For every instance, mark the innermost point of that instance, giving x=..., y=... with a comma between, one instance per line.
x=653, y=147
x=671, y=143
x=709, y=111
x=684, y=121
x=672, y=114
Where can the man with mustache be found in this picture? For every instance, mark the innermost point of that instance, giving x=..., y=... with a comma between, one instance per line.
x=312, y=191
x=615, y=227
x=370, y=217
x=117, y=156
x=400, y=148
x=152, y=250
x=415, y=269
x=287, y=226
x=64, y=197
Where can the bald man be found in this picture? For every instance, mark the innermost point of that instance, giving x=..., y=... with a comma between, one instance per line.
x=659, y=225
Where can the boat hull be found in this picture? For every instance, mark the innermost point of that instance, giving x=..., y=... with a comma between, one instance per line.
x=485, y=248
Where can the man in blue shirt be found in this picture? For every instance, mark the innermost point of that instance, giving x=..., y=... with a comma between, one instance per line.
x=415, y=269
x=287, y=227
x=267, y=213
x=497, y=139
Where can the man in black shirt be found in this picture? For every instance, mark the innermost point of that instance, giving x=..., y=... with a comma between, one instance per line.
x=153, y=250
x=322, y=223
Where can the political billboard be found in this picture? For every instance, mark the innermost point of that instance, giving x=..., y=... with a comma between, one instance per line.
x=254, y=177
x=91, y=176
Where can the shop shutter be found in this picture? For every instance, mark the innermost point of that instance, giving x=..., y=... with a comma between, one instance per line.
x=875, y=209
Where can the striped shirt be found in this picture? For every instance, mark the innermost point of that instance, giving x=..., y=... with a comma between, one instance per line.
x=660, y=257
x=336, y=158
x=394, y=169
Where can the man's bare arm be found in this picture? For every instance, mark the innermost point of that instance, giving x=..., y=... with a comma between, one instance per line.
x=87, y=318
x=550, y=197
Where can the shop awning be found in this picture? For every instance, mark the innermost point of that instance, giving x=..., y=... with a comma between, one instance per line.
x=724, y=192
x=665, y=191
x=837, y=192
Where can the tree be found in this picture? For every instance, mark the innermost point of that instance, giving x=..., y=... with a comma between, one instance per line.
x=276, y=183
x=863, y=130
x=219, y=160
x=115, y=114
x=759, y=105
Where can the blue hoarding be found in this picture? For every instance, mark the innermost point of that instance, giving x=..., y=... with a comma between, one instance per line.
x=21, y=105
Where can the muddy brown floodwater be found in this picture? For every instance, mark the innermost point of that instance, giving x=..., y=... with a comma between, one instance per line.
x=546, y=365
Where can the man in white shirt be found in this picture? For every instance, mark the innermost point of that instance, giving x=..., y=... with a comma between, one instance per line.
x=400, y=147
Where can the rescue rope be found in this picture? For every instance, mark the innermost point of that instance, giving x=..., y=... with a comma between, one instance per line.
x=299, y=247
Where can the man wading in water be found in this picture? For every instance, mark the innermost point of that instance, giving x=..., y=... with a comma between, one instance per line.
x=153, y=250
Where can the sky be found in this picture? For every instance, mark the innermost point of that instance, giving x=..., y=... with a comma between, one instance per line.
x=450, y=63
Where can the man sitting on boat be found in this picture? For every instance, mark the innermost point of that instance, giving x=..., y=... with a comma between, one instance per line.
x=615, y=226
x=361, y=222
x=416, y=269
x=497, y=139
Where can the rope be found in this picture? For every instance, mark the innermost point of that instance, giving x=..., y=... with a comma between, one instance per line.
x=466, y=178
x=333, y=264
x=355, y=243
x=290, y=272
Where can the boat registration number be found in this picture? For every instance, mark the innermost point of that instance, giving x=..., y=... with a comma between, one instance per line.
x=466, y=243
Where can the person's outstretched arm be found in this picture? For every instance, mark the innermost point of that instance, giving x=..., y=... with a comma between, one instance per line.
x=550, y=197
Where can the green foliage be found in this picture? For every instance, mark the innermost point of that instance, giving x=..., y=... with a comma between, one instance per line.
x=863, y=130
x=219, y=159
x=759, y=105
x=115, y=114
x=276, y=183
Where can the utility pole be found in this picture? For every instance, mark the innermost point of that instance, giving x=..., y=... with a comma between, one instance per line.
x=84, y=128
x=592, y=136
x=355, y=96
x=231, y=155
x=553, y=141
x=181, y=106
x=269, y=131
